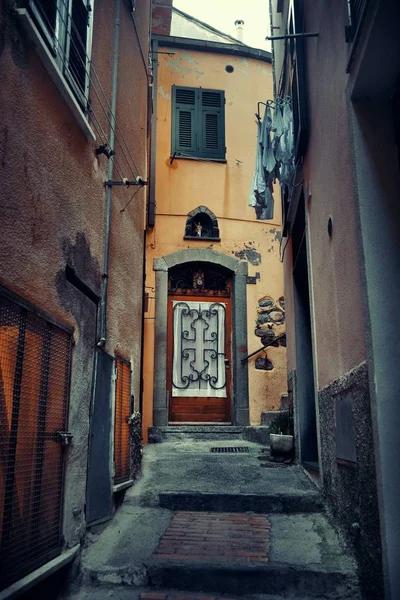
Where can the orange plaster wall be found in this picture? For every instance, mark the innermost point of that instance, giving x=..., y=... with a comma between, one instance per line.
x=224, y=189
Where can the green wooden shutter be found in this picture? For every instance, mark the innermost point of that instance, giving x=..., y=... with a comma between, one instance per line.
x=212, y=119
x=184, y=121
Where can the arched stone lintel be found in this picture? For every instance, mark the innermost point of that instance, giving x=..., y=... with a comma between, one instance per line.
x=201, y=255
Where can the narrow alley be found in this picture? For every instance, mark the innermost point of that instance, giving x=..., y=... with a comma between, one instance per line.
x=217, y=517
x=199, y=299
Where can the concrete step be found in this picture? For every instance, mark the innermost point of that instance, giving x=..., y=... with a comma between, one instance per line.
x=244, y=580
x=267, y=416
x=302, y=502
x=256, y=433
x=171, y=433
x=107, y=592
x=259, y=434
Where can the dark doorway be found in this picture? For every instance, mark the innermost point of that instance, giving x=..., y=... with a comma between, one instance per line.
x=304, y=357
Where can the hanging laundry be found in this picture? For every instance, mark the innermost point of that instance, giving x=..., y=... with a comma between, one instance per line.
x=274, y=156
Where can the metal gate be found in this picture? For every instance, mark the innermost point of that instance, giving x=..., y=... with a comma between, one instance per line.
x=123, y=411
x=34, y=385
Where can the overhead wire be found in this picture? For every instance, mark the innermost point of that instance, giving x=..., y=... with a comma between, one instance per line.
x=131, y=198
x=80, y=53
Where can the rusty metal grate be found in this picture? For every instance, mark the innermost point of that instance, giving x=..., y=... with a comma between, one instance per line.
x=34, y=383
x=230, y=449
x=123, y=410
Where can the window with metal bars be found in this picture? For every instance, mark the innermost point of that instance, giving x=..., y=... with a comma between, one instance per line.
x=198, y=123
x=34, y=388
x=65, y=26
x=123, y=411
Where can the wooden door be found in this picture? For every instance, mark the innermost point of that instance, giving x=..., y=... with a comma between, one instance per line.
x=199, y=359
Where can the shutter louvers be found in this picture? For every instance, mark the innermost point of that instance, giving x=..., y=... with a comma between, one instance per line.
x=213, y=126
x=184, y=119
x=198, y=122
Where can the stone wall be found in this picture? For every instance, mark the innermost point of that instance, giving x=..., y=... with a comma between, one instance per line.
x=136, y=445
x=270, y=325
x=350, y=491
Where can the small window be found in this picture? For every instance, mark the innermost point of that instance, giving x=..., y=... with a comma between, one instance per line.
x=198, y=123
x=66, y=29
x=201, y=223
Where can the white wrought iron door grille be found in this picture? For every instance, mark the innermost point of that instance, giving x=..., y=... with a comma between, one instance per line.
x=199, y=349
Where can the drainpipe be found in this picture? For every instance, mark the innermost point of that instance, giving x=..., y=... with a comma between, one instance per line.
x=104, y=291
x=141, y=392
x=272, y=48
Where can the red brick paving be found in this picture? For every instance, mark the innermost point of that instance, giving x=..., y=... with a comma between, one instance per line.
x=233, y=537
x=181, y=596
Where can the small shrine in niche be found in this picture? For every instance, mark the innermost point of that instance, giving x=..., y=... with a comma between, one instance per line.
x=201, y=223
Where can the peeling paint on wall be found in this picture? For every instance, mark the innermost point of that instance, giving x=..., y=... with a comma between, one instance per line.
x=176, y=65
x=250, y=254
x=277, y=234
x=164, y=94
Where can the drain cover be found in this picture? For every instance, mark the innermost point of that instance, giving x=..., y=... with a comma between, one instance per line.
x=230, y=449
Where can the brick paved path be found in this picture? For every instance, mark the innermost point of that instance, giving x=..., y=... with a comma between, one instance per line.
x=181, y=596
x=233, y=537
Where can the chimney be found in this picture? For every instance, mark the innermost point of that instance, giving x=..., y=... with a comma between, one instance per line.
x=239, y=29
x=161, y=17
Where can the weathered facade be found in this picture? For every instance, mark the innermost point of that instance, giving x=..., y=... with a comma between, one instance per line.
x=74, y=90
x=206, y=90
x=341, y=217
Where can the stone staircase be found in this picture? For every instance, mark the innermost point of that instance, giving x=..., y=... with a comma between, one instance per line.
x=206, y=525
x=259, y=434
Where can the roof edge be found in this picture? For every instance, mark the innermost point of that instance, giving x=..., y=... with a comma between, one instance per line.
x=171, y=41
x=207, y=26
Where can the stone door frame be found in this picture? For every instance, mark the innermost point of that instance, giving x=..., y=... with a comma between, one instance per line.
x=238, y=271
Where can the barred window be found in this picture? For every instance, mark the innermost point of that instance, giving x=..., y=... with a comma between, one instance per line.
x=65, y=26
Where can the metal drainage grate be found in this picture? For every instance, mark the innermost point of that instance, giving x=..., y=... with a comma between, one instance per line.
x=231, y=449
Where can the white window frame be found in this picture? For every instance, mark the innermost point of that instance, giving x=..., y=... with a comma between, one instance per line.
x=54, y=52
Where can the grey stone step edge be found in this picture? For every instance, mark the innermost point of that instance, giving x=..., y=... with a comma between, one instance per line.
x=257, y=433
x=228, y=578
x=308, y=502
x=240, y=579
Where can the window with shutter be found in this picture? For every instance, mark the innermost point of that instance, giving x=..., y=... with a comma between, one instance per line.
x=77, y=59
x=198, y=123
x=65, y=27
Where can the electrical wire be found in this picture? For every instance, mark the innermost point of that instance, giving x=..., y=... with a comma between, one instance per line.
x=81, y=52
x=131, y=198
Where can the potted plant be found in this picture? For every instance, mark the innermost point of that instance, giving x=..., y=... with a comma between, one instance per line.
x=281, y=437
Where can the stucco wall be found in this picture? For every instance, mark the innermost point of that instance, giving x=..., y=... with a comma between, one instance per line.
x=339, y=343
x=223, y=188
x=335, y=261
x=53, y=210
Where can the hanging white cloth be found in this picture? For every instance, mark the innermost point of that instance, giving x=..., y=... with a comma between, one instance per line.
x=198, y=365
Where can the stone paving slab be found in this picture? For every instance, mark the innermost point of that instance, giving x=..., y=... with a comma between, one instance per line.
x=232, y=537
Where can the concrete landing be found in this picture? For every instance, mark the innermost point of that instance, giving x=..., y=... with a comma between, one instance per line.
x=189, y=467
